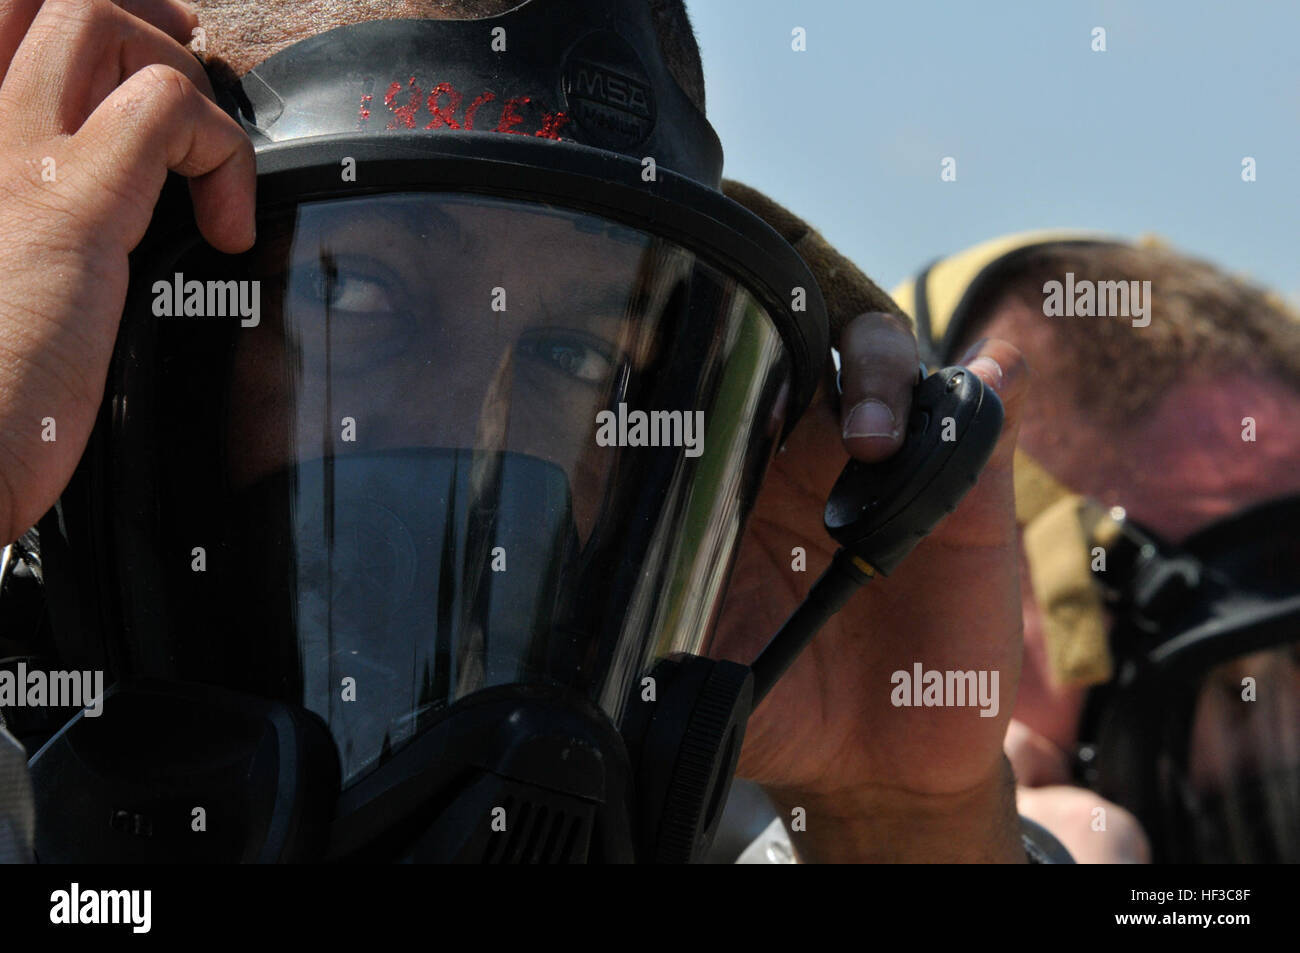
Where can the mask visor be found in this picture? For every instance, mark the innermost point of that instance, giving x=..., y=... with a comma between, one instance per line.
x=415, y=445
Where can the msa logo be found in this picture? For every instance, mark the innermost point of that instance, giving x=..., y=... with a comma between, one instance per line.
x=609, y=97
x=610, y=89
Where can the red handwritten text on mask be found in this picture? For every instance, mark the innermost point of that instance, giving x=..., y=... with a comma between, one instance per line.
x=411, y=108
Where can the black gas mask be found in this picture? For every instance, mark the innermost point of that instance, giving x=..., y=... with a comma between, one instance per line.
x=402, y=535
x=1198, y=730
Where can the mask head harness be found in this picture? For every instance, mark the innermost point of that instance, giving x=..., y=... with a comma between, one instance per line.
x=1156, y=631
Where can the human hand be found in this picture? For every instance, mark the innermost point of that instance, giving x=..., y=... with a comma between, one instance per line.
x=98, y=102
x=879, y=782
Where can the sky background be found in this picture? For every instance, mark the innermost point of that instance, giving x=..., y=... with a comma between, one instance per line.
x=1145, y=137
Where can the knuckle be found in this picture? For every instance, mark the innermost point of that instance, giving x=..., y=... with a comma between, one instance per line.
x=165, y=83
x=55, y=22
x=76, y=11
x=151, y=93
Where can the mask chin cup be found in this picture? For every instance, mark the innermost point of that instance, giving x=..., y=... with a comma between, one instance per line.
x=170, y=772
x=481, y=786
x=491, y=792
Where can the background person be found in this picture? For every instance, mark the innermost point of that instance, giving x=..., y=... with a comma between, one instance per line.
x=1184, y=423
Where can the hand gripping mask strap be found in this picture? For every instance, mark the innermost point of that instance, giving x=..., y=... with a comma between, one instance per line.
x=581, y=71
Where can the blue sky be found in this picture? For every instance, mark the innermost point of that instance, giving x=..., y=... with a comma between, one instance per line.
x=1148, y=136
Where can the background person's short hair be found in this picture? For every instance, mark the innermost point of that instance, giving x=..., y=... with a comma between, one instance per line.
x=1203, y=320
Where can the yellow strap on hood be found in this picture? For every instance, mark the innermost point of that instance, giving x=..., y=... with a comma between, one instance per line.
x=948, y=280
x=1060, y=529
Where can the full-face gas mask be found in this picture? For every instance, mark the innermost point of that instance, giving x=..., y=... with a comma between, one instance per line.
x=1190, y=652
x=402, y=535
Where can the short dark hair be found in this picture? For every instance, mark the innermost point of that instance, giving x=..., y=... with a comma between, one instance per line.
x=242, y=33
x=680, y=50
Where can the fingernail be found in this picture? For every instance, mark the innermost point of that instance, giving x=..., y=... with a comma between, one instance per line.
x=972, y=350
x=987, y=363
x=870, y=418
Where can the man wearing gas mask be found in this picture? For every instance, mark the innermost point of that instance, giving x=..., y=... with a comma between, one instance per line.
x=1155, y=489
x=404, y=526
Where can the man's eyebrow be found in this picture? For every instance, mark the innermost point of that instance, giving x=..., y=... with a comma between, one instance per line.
x=419, y=215
x=415, y=216
x=605, y=300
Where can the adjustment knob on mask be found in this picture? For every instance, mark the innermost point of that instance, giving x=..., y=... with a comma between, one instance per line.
x=689, y=754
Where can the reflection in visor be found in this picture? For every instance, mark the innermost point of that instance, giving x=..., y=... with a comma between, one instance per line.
x=401, y=486
x=400, y=563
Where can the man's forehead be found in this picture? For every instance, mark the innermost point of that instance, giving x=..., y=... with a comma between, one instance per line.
x=495, y=230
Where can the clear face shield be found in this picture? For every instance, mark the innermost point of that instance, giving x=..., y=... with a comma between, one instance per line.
x=469, y=442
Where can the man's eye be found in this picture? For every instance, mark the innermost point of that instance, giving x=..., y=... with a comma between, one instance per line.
x=340, y=286
x=580, y=361
x=569, y=353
